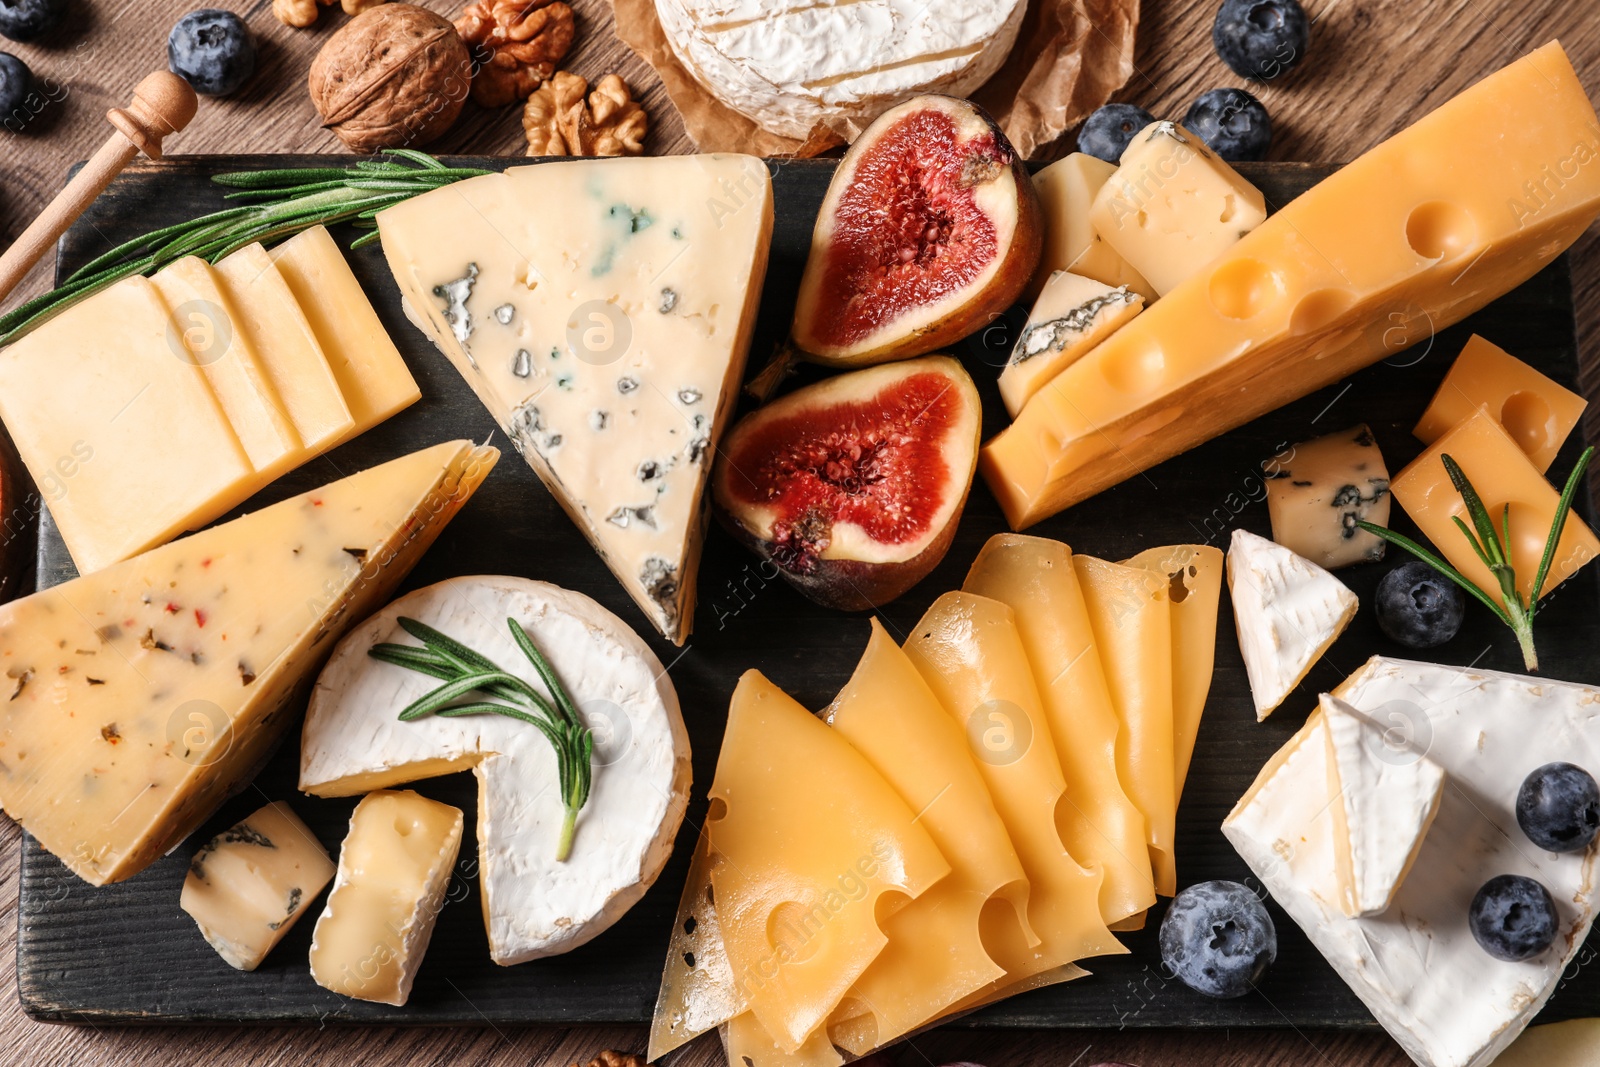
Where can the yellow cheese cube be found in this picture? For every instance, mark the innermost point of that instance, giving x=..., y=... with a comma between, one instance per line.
x=1536, y=412
x=394, y=867
x=1066, y=190
x=1173, y=206
x=1071, y=316
x=1503, y=475
x=250, y=884
x=1318, y=490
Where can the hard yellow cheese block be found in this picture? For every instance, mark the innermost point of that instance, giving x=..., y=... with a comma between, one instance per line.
x=1099, y=824
x=1067, y=189
x=250, y=884
x=145, y=693
x=1413, y=236
x=808, y=839
x=394, y=868
x=1502, y=474
x=1536, y=412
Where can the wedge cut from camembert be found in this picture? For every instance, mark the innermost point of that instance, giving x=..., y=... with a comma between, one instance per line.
x=142, y=695
x=601, y=310
x=1389, y=792
x=1288, y=611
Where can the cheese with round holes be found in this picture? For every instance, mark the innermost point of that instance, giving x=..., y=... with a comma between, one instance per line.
x=1413, y=236
x=697, y=990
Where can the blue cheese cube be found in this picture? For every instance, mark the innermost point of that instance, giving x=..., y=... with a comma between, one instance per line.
x=1317, y=492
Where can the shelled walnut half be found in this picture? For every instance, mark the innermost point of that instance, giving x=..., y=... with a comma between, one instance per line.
x=303, y=13
x=559, y=121
x=516, y=46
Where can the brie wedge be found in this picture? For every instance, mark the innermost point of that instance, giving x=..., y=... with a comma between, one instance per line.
x=1417, y=966
x=533, y=905
x=1288, y=611
x=1389, y=793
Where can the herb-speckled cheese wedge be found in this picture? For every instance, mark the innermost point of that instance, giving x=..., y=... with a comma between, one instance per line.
x=601, y=310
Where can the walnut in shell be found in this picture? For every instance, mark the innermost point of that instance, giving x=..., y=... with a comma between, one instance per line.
x=516, y=46
x=394, y=75
x=559, y=121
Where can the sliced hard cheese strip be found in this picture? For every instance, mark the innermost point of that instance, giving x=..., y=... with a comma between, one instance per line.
x=1389, y=793
x=533, y=904
x=697, y=989
x=967, y=649
x=1288, y=611
x=146, y=693
x=809, y=839
x=607, y=338
x=1071, y=316
x=748, y=1044
x=1379, y=250
x=1099, y=824
x=1574, y=1043
x=124, y=438
x=1130, y=610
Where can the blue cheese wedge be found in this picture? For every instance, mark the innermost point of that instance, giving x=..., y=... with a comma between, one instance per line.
x=1071, y=316
x=1318, y=491
x=601, y=310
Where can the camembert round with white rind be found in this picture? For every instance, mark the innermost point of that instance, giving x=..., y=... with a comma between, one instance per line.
x=534, y=906
x=790, y=64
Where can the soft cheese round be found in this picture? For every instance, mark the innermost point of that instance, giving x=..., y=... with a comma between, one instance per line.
x=534, y=906
x=789, y=64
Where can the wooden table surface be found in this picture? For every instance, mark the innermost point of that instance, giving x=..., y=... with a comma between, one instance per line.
x=1372, y=68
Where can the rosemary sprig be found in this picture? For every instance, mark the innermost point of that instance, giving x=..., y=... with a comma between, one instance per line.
x=272, y=205
x=464, y=672
x=1493, y=547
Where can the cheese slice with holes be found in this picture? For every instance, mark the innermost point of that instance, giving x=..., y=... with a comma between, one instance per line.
x=533, y=904
x=144, y=694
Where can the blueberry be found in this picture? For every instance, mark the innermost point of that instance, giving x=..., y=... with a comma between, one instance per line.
x=1218, y=939
x=16, y=85
x=1232, y=123
x=1558, y=807
x=1513, y=918
x=1106, y=133
x=212, y=50
x=1419, y=607
x=29, y=20
x=1261, y=39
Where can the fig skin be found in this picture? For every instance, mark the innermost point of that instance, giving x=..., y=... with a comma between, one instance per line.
x=846, y=584
x=975, y=309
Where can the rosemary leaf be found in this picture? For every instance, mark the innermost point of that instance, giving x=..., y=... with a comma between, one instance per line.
x=1569, y=492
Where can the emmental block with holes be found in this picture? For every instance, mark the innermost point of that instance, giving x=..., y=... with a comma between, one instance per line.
x=1415, y=235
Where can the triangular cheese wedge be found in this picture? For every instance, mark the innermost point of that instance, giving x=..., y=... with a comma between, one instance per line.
x=144, y=694
x=1288, y=611
x=1389, y=794
x=697, y=991
x=601, y=310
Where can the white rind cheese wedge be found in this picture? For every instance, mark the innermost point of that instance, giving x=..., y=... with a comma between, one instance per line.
x=1417, y=966
x=788, y=65
x=1388, y=795
x=601, y=310
x=1288, y=612
x=534, y=905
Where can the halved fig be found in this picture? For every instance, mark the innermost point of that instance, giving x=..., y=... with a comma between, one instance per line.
x=930, y=228
x=852, y=487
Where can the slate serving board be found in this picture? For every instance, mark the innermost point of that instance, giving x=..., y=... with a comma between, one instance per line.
x=126, y=953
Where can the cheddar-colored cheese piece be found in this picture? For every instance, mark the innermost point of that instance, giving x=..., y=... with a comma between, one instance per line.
x=808, y=838
x=1130, y=610
x=1536, y=412
x=394, y=867
x=278, y=329
x=1066, y=190
x=124, y=436
x=1071, y=316
x=1420, y=232
x=144, y=694
x=1099, y=824
x=250, y=884
x=748, y=1044
x=365, y=362
x=1318, y=492
x=1502, y=474
x=967, y=649
x=1194, y=590
x=1173, y=206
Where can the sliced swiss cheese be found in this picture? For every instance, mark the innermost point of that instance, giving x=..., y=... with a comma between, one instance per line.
x=606, y=338
x=144, y=694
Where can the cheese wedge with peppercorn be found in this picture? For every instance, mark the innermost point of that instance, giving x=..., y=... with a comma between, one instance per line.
x=602, y=311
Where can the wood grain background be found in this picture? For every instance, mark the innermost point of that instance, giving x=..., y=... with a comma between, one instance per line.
x=1374, y=66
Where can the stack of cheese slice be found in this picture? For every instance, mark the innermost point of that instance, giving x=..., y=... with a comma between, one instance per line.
x=948, y=761
x=144, y=694
x=1415, y=963
x=602, y=311
x=156, y=406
